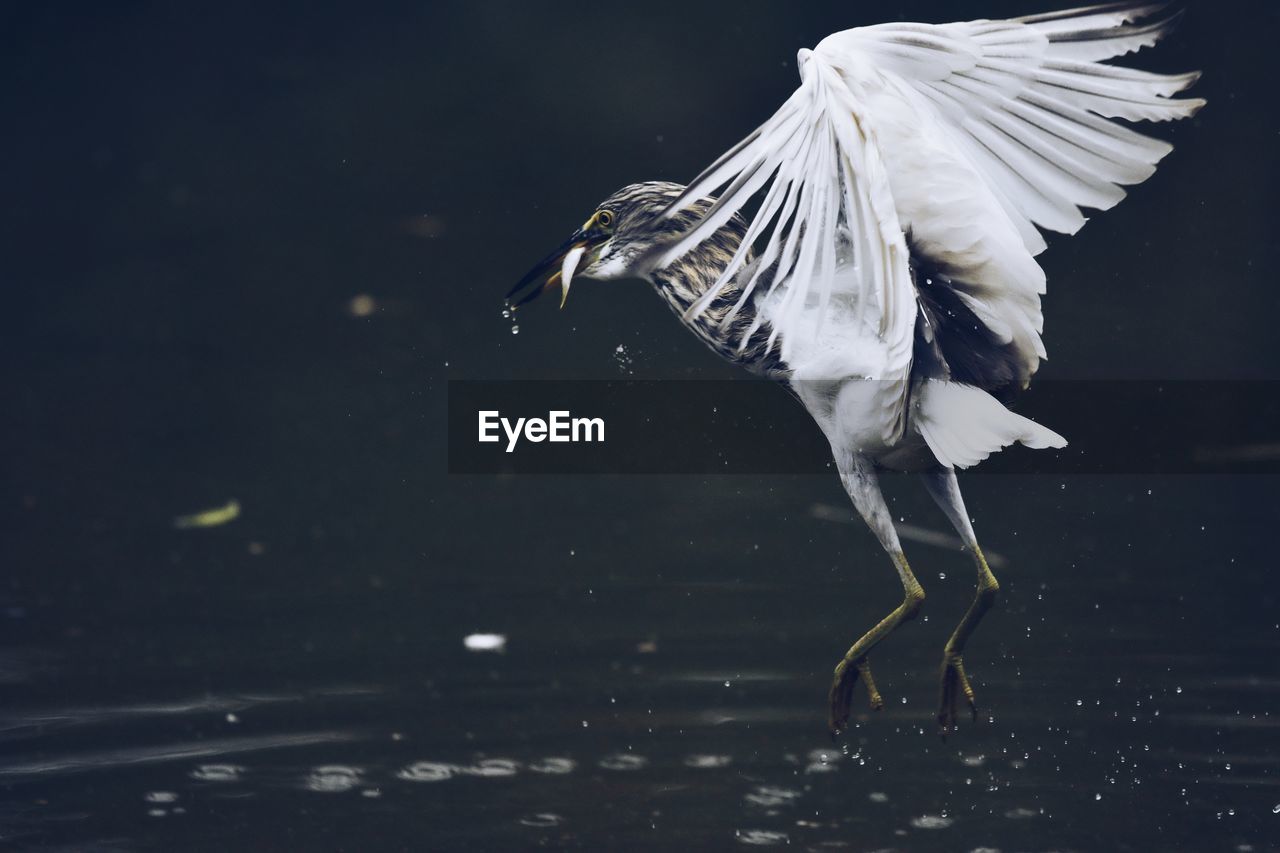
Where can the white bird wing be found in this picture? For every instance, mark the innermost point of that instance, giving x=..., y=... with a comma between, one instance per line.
x=1023, y=113
x=1030, y=103
x=827, y=184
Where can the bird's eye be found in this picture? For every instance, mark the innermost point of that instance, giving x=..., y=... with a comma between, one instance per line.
x=605, y=218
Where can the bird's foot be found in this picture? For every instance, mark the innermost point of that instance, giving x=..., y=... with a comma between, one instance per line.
x=846, y=677
x=954, y=684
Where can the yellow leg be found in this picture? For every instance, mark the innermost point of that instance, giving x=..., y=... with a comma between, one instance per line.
x=854, y=664
x=954, y=679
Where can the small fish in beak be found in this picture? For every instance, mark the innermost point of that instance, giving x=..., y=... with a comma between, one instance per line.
x=567, y=268
x=560, y=266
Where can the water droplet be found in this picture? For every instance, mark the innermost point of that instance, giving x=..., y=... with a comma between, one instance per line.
x=1097, y=796
x=931, y=821
x=515, y=328
x=942, y=576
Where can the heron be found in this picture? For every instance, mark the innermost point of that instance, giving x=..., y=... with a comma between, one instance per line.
x=872, y=246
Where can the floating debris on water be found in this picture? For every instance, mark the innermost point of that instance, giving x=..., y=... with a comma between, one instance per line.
x=209, y=517
x=362, y=305
x=485, y=642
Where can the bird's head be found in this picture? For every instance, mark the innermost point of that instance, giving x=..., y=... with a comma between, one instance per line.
x=622, y=238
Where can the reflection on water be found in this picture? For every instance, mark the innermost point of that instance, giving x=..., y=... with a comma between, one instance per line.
x=1043, y=771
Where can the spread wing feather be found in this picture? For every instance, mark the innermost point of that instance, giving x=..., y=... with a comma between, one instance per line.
x=1031, y=104
x=1025, y=112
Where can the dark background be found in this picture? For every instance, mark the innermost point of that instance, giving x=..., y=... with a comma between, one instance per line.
x=193, y=194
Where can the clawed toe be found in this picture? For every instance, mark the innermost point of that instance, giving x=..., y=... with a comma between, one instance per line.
x=954, y=684
x=846, y=678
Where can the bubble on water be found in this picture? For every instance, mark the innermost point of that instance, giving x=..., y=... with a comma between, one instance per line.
x=426, y=771
x=160, y=797
x=491, y=767
x=931, y=821
x=623, y=761
x=762, y=837
x=333, y=779
x=704, y=762
x=542, y=820
x=553, y=766
x=772, y=795
x=217, y=772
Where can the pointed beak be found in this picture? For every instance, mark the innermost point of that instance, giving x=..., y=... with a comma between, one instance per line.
x=556, y=268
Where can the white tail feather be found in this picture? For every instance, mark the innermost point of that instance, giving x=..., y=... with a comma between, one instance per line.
x=964, y=425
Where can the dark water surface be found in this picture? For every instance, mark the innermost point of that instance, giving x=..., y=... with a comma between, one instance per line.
x=195, y=198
